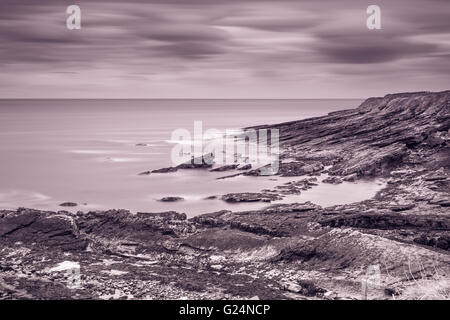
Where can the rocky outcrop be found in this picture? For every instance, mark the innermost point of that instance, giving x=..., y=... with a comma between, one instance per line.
x=250, y=197
x=204, y=162
x=54, y=230
x=373, y=139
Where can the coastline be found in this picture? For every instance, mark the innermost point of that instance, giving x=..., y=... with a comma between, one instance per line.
x=284, y=251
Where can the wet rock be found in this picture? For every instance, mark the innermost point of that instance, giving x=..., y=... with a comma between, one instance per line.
x=205, y=161
x=68, y=204
x=351, y=177
x=294, y=169
x=171, y=199
x=249, y=197
x=225, y=168
x=245, y=167
x=332, y=180
x=258, y=172
x=165, y=170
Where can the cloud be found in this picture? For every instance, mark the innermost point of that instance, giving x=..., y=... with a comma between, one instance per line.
x=200, y=48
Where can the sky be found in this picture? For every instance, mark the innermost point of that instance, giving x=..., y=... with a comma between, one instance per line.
x=222, y=49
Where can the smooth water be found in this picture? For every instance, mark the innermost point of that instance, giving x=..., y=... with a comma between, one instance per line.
x=85, y=151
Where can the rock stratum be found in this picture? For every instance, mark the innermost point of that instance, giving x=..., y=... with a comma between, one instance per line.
x=393, y=246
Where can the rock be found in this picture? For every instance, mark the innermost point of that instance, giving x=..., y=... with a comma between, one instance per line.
x=205, y=161
x=145, y=173
x=68, y=204
x=445, y=203
x=171, y=199
x=44, y=229
x=402, y=207
x=392, y=292
x=225, y=168
x=304, y=287
x=211, y=198
x=440, y=201
x=387, y=221
x=435, y=178
x=245, y=167
x=165, y=170
x=330, y=295
x=294, y=169
x=249, y=197
x=292, y=287
x=332, y=180
x=351, y=177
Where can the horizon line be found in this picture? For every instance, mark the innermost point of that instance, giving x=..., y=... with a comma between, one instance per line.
x=182, y=99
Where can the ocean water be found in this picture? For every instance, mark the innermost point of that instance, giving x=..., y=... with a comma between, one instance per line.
x=91, y=151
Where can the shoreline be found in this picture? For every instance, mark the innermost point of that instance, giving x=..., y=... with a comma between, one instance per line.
x=284, y=251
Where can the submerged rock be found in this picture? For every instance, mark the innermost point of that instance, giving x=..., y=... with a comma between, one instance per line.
x=68, y=204
x=171, y=199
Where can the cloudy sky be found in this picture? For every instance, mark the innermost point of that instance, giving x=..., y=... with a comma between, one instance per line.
x=222, y=49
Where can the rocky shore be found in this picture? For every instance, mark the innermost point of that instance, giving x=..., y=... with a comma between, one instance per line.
x=393, y=246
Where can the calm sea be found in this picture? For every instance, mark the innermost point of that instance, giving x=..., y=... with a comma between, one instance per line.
x=91, y=151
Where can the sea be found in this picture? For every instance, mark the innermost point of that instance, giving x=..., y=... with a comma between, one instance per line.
x=91, y=152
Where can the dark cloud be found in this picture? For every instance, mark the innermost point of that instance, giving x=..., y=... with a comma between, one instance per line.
x=366, y=49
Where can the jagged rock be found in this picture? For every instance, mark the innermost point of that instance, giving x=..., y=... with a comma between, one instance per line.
x=44, y=229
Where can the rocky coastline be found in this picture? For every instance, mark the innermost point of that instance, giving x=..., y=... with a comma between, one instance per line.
x=284, y=251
